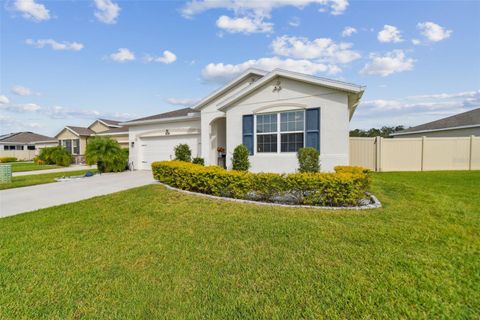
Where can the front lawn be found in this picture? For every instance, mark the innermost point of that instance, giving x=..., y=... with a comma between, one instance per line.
x=154, y=253
x=30, y=166
x=34, y=179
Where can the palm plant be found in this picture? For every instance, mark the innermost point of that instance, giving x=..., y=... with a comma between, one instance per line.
x=107, y=154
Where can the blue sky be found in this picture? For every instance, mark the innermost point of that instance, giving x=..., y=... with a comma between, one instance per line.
x=69, y=62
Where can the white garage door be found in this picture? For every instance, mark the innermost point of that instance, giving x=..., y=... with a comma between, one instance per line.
x=161, y=148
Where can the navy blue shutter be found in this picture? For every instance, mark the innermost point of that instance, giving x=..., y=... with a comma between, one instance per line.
x=247, y=132
x=312, y=128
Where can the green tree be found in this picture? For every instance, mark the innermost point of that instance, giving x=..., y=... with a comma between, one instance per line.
x=107, y=154
x=183, y=152
x=308, y=160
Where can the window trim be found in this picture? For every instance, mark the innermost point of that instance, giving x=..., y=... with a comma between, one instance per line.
x=278, y=132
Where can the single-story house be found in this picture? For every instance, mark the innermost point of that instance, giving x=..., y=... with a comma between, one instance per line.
x=460, y=125
x=24, y=145
x=272, y=113
x=75, y=139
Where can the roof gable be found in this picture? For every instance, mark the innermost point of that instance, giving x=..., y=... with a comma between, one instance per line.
x=354, y=92
x=232, y=84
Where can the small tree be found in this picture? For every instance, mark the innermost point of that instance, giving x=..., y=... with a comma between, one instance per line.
x=308, y=160
x=240, y=158
x=198, y=160
x=54, y=155
x=183, y=152
x=107, y=154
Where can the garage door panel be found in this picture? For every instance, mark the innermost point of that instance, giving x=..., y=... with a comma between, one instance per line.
x=161, y=148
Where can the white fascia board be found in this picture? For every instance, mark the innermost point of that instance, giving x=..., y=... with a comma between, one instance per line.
x=434, y=130
x=334, y=84
x=228, y=86
x=164, y=120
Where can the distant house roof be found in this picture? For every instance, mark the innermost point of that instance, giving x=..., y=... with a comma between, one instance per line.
x=81, y=131
x=24, y=138
x=111, y=123
x=467, y=119
x=113, y=131
x=166, y=115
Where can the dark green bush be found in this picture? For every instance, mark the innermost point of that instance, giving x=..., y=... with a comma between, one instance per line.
x=54, y=155
x=321, y=189
x=198, y=160
x=7, y=159
x=240, y=160
x=308, y=160
x=183, y=152
x=107, y=154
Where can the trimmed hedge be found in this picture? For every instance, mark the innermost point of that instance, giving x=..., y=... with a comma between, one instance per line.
x=7, y=159
x=320, y=189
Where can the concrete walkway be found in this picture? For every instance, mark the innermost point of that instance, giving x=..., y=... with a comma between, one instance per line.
x=71, y=168
x=19, y=200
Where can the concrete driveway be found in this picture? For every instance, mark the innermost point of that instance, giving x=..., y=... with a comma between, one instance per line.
x=19, y=200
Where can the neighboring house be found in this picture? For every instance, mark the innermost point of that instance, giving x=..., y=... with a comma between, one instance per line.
x=460, y=125
x=24, y=145
x=75, y=139
x=272, y=113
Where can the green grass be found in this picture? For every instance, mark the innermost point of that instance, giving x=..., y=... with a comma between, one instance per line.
x=153, y=253
x=34, y=179
x=30, y=166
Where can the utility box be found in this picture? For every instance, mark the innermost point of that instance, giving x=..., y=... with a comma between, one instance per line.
x=5, y=173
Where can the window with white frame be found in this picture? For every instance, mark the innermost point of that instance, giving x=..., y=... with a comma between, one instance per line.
x=290, y=133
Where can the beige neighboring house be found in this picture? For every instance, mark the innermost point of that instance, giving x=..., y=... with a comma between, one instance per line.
x=75, y=139
x=24, y=145
x=460, y=125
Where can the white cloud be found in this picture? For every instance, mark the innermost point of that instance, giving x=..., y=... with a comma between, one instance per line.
x=23, y=91
x=41, y=43
x=167, y=57
x=4, y=99
x=433, y=32
x=17, y=125
x=322, y=49
x=294, y=22
x=32, y=10
x=21, y=108
x=389, y=34
x=221, y=73
x=414, y=110
x=183, y=102
x=259, y=8
x=107, y=11
x=416, y=42
x=244, y=25
x=348, y=31
x=122, y=55
x=392, y=62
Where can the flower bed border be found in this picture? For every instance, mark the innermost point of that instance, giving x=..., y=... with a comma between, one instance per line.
x=375, y=205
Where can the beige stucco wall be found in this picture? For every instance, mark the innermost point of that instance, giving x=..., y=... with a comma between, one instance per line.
x=334, y=124
x=465, y=132
x=97, y=127
x=66, y=134
x=121, y=139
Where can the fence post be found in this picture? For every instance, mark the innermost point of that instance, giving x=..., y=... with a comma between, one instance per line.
x=423, y=153
x=471, y=151
x=378, y=141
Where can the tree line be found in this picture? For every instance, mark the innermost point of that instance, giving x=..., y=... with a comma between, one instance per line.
x=375, y=132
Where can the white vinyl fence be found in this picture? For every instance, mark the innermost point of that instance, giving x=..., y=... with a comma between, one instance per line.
x=416, y=154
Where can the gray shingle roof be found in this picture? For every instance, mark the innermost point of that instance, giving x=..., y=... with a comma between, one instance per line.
x=171, y=114
x=25, y=137
x=81, y=130
x=110, y=122
x=469, y=118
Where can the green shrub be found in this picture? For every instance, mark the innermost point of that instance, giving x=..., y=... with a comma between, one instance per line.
x=107, y=154
x=240, y=160
x=183, y=152
x=7, y=159
x=321, y=189
x=54, y=155
x=199, y=160
x=308, y=160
